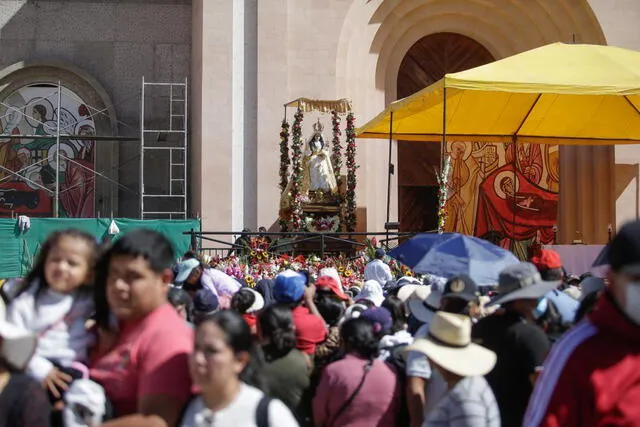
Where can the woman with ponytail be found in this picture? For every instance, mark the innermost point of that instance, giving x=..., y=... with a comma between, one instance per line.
x=358, y=390
x=286, y=368
x=226, y=366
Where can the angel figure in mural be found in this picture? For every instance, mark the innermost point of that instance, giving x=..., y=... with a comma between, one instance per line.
x=317, y=172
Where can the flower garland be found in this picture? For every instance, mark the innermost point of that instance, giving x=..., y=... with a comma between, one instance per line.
x=329, y=224
x=350, y=215
x=443, y=178
x=296, y=172
x=284, y=155
x=336, y=148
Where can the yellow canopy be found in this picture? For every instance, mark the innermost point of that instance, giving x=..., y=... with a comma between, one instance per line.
x=555, y=94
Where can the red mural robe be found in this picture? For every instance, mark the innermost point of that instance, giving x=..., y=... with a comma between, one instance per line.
x=532, y=211
x=77, y=192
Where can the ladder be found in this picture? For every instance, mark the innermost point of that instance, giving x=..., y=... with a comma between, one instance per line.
x=169, y=201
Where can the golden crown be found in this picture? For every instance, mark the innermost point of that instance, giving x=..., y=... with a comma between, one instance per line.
x=318, y=127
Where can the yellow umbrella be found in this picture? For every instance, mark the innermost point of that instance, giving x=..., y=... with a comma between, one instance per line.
x=555, y=94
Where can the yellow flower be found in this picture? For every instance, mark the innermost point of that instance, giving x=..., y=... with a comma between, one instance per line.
x=252, y=253
x=347, y=273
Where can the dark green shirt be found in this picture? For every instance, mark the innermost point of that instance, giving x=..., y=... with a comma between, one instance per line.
x=287, y=377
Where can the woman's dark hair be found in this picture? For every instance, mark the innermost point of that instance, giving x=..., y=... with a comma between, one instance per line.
x=276, y=324
x=330, y=309
x=239, y=339
x=152, y=246
x=190, y=255
x=37, y=272
x=398, y=314
x=551, y=322
x=242, y=300
x=179, y=297
x=586, y=306
x=359, y=338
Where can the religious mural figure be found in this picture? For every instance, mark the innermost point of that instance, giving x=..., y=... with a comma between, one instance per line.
x=466, y=175
x=34, y=161
x=528, y=159
x=506, y=191
x=552, y=158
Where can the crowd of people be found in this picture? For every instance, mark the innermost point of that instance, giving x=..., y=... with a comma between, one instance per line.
x=122, y=335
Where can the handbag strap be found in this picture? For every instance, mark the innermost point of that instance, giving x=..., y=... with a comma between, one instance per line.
x=348, y=402
x=68, y=318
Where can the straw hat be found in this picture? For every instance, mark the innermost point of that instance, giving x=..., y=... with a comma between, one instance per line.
x=18, y=345
x=449, y=345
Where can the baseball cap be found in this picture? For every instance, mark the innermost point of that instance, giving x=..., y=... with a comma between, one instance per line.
x=330, y=284
x=462, y=287
x=546, y=259
x=205, y=302
x=289, y=287
x=185, y=268
x=624, y=249
x=379, y=253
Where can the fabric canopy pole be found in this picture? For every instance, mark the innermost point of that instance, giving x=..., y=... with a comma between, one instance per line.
x=390, y=172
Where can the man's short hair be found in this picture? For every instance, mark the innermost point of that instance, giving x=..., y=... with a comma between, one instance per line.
x=148, y=244
x=552, y=274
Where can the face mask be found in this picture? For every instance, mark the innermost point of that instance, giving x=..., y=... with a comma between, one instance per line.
x=632, y=306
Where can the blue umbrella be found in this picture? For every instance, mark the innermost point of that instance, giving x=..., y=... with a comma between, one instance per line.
x=450, y=254
x=413, y=250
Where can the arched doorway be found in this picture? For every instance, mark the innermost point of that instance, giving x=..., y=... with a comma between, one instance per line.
x=426, y=62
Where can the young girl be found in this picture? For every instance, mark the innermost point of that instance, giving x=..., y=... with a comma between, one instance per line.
x=54, y=302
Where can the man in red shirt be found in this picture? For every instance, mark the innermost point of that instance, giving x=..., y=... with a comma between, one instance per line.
x=592, y=375
x=290, y=289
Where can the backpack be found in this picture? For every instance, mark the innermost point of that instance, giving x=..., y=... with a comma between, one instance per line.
x=262, y=412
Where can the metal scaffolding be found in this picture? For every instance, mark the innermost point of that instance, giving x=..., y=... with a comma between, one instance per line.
x=63, y=132
x=168, y=201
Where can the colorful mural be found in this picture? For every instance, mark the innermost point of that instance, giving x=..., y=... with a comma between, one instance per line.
x=507, y=193
x=28, y=165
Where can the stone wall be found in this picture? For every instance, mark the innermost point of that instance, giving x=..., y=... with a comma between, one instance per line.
x=117, y=42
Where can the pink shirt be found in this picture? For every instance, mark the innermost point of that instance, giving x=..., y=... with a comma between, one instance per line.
x=376, y=404
x=150, y=358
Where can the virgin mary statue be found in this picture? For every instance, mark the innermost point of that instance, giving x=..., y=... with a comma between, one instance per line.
x=317, y=172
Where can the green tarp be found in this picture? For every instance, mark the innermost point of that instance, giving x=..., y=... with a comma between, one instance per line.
x=17, y=250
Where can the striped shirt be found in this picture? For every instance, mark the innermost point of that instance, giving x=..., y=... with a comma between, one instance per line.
x=470, y=403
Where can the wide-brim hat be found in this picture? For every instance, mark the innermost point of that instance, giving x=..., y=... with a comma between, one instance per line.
x=424, y=302
x=449, y=346
x=18, y=345
x=405, y=291
x=521, y=281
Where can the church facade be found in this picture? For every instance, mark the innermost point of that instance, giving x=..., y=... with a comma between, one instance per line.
x=246, y=58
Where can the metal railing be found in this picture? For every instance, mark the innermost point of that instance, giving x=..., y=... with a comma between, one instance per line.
x=322, y=244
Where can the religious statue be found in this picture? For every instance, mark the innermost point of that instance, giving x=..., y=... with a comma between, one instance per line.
x=317, y=173
x=318, y=184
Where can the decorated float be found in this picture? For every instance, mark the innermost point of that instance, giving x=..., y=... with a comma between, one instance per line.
x=315, y=195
